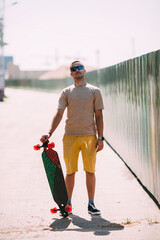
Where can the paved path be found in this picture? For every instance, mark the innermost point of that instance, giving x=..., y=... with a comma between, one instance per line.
x=25, y=198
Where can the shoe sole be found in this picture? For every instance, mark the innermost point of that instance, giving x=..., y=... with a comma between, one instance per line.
x=94, y=213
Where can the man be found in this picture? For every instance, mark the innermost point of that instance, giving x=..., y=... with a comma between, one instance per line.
x=84, y=117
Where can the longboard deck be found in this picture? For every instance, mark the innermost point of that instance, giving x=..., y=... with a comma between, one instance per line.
x=55, y=176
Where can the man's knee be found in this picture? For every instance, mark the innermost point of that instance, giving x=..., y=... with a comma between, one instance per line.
x=70, y=174
x=90, y=173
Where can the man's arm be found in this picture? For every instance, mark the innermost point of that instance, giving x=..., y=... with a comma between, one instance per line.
x=55, y=122
x=99, y=124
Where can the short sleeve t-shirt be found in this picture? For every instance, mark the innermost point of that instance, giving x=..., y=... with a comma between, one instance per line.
x=81, y=103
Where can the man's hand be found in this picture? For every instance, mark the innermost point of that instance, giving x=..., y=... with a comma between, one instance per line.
x=99, y=145
x=45, y=138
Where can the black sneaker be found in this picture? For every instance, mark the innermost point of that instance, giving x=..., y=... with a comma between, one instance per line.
x=93, y=210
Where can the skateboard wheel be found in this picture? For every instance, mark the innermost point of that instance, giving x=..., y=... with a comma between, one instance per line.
x=68, y=208
x=53, y=210
x=36, y=147
x=51, y=145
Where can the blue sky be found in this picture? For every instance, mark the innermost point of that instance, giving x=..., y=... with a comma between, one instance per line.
x=44, y=34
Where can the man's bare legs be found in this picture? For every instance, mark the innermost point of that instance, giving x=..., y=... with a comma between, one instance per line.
x=90, y=184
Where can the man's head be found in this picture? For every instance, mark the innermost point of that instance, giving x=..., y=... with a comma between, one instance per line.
x=77, y=70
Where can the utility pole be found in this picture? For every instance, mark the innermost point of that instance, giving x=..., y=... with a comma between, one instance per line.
x=2, y=44
x=98, y=65
x=97, y=58
x=2, y=70
x=133, y=46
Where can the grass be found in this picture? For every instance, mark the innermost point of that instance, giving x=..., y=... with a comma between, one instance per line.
x=151, y=222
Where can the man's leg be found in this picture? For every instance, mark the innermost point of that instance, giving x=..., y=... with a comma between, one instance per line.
x=90, y=183
x=70, y=152
x=70, y=179
x=89, y=161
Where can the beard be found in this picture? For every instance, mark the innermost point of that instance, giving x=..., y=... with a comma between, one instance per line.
x=79, y=76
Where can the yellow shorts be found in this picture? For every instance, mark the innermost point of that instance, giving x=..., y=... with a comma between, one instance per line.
x=72, y=145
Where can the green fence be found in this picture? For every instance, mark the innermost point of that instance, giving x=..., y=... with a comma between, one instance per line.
x=131, y=92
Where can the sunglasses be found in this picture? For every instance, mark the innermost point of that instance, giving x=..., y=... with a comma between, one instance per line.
x=73, y=69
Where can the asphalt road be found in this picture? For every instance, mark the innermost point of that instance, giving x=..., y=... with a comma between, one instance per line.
x=25, y=199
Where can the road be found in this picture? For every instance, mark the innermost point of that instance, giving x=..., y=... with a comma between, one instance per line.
x=25, y=198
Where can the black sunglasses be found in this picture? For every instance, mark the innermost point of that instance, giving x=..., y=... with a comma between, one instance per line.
x=73, y=69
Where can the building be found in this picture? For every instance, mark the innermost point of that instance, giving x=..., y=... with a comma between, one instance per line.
x=63, y=71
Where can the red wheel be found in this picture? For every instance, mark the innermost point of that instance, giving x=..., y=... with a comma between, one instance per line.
x=53, y=210
x=51, y=145
x=36, y=147
x=68, y=208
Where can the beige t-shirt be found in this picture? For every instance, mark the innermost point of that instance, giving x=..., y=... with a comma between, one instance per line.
x=81, y=103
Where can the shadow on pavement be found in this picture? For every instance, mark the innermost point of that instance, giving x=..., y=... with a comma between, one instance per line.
x=97, y=225
x=60, y=224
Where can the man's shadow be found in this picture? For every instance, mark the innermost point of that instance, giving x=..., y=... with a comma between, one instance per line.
x=98, y=225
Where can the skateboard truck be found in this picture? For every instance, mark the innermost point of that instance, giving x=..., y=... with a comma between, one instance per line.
x=44, y=145
x=61, y=209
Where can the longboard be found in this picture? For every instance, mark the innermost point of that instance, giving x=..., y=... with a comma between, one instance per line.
x=55, y=177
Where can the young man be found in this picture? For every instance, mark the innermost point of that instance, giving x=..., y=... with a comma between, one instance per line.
x=84, y=117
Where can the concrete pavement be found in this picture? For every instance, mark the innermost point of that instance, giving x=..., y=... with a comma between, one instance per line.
x=25, y=199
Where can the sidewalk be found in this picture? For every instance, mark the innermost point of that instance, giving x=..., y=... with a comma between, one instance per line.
x=25, y=198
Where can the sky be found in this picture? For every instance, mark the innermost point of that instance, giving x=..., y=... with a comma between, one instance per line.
x=45, y=34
